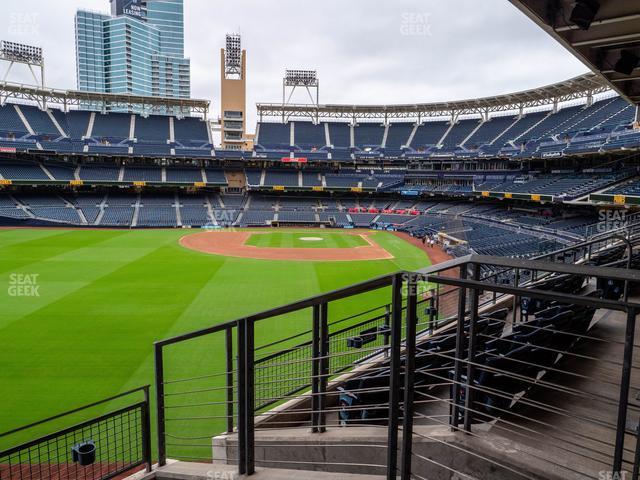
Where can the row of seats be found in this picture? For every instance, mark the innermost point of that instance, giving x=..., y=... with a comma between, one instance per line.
x=589, y=127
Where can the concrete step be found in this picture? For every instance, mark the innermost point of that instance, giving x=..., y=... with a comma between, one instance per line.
x=210, y=471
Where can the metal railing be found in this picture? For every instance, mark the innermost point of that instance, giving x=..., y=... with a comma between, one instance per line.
x=99, y=448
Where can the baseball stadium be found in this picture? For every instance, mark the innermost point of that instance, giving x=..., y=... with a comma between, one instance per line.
x=443, y=290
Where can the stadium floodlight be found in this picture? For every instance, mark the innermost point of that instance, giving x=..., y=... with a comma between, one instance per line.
x=301, y=78
x=584, y=13
x=627, y=62
x=21, y=53
x=306, y=79
x=233, y=55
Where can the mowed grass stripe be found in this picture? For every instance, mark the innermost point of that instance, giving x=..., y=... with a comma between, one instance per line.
x=17, y=255
x=67, y=272
x=86, y=345
x=97, y=340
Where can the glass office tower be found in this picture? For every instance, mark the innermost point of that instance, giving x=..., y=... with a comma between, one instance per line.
x=137, y=49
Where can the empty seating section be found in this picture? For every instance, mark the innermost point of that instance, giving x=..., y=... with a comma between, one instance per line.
x=190, y=132
x=311, y=179
x=489, y=131
x=157, y=216
x=57, y=214
x=274, y=136
x=10, y=121
x=153, y=129
x=215, y=175
x=256, y=218
x=99, y=173
x=117, y=216
x=253, y=177
x=368, y=135
x=113, y=126
x=340, y=134
x=398, y=136
x=194, y=215
x=568, y=185
x=309, y=136
x=39, y=121
x=61, y=172
x=459, y=133
x=22, y=171
x=429, y=134
x=631, y=188
x=573, y=129
x=77, y=122
x=296, y=217
x=142, y=174
x=152, y=149
x=551, y=124
x=285, y=178
x=524, y=124
x=183, y=175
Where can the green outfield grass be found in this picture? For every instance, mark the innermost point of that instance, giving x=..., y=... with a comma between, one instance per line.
x=104, y=297
x=314, y=239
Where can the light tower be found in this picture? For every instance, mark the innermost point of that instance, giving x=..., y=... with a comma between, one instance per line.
x=234, y=94
x=20, y=53
x=306, y=79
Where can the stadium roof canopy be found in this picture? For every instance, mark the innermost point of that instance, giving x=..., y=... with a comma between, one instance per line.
x=69, y=98
x=583, y=86
x=610, y=31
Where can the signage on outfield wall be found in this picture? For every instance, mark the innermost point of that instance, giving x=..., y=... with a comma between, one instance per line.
x=619, y=199
x=7, y=150
x=293, y=160
x=199, y=184
x=139, y=184
x=76, y=183
x=317, y=189
x=278, y=188
x=5, y=182
x=508, y=195
x=535, y=197
x=485, y=194
x=356, y=189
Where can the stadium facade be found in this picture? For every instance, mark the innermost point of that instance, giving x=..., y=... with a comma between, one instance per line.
x=138, y=49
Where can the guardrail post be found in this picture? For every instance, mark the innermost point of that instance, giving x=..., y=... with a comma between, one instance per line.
x=394, y=380
x=229, y=357
x=160, y=420
x=457, y=369
x=625, y=382
x=323, y=379
x=471, y=370
x=316, y=369
x=409, y=373
x=246, y=399
x=146, y=429
x=242, y=398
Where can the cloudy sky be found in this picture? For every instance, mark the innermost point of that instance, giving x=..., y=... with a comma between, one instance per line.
x=365, y=51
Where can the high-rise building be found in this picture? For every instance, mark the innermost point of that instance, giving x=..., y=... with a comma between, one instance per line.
x=137, y=49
